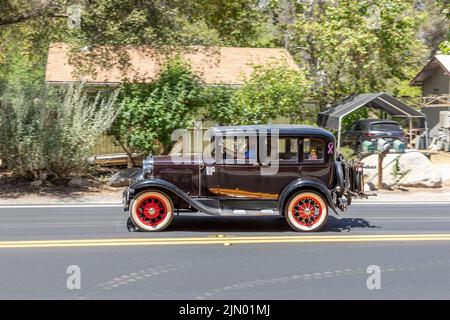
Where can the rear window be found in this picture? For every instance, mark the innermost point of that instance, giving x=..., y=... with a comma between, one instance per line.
x=385, y=127
x=313, y=149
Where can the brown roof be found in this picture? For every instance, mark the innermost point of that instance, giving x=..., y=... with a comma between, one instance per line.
x=220, y=65
x=438, y=61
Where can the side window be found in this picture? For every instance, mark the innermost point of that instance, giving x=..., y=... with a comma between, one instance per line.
x=287, y=149
x=239, y=149
x=228, y=149
x=313, y=149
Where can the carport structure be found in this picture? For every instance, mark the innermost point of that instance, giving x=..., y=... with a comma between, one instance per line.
x=332, y=117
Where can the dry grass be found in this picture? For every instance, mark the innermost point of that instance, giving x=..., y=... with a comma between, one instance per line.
x=441, y=158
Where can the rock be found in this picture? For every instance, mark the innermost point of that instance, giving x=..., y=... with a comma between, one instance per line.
x=125, y=177
x=369, y=186
x=410, y=169
x=36, y=183
x=78, y=182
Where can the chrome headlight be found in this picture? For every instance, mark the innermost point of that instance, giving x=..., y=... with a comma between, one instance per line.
x=147, y=166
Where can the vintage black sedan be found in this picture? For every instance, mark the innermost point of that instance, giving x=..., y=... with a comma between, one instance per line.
x=287, y=170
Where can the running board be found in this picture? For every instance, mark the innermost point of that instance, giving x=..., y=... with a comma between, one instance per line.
x=240, y=212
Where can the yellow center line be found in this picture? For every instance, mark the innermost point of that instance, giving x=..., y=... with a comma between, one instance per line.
x=221, y=240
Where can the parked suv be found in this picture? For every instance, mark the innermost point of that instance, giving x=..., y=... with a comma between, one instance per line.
x=289, y=170
x=371, y=130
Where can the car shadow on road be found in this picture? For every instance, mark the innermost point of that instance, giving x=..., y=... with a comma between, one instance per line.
x=335, y=224
x=203, y=223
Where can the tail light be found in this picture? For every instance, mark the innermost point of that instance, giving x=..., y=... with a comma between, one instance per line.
x=369, y=135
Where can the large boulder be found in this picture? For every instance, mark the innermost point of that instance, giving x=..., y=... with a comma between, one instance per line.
x=125, y=177
x=410, y=169
x=78, y=182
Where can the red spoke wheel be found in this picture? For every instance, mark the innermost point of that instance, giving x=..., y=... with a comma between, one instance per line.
x=151, y=210
x=306, y=211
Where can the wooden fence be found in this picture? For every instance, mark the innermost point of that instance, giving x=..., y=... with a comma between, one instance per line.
x=106, y=145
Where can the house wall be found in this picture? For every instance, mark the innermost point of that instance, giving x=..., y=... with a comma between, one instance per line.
x=432, y=114
x=436, y=84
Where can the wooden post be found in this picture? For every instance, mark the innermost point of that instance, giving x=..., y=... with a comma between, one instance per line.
x=380, y=170
x=410, y=133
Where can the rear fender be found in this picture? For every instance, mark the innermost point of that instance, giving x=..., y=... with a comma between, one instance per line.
x=305, y=184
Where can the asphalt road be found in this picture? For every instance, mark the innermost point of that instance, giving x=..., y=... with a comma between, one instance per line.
x=202, y=257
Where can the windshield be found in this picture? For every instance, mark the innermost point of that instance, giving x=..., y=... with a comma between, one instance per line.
x=385, y=127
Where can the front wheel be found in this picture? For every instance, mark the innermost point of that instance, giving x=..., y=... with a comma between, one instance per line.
x=306, y=211
x=151, y=210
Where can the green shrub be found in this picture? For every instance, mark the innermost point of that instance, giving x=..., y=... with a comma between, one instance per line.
x=348, y=153
x=52, y=132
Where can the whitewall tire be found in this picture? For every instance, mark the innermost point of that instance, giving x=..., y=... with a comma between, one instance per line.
x=306, y=211
x=151, y=210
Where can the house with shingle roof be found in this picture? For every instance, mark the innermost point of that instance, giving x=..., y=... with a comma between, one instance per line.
x=228, y=66
x=215, y=66
x=434, y=80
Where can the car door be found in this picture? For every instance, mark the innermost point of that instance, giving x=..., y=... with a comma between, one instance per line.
x=284, y=165
x=239, y=172
x=210, y=174
x=315, y=159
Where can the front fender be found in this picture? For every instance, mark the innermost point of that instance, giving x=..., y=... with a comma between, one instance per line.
x=142, y=185
x=305, y=184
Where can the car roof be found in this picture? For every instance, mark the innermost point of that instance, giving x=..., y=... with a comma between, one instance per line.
x=285, y=129
x=370, y=121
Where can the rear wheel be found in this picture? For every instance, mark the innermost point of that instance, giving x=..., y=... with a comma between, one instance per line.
x=306, y=211
x=151, y=210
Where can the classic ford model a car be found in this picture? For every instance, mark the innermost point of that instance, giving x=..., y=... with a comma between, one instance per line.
x=288, y=170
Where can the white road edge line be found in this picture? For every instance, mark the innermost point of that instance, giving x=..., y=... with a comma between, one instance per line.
x=401, y=202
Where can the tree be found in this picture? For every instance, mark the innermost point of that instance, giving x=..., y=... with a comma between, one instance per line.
x=135, y=22
x=435, y=27
x=238, y=23
x=151, y=112
x=351, y=46
x=218, y=104
x=271, y=91
x=17, y=11
x=445, y=47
